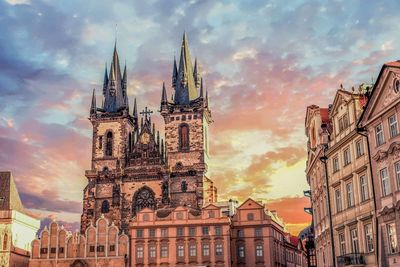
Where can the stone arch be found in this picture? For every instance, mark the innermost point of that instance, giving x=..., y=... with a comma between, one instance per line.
x=143, y=198
x=79, y=263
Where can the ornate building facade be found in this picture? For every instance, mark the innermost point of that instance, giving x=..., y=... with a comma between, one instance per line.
x=132, y=167
x=379, y=122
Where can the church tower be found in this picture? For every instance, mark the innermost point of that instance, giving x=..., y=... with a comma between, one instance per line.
x=187, y=117
x=113, y=128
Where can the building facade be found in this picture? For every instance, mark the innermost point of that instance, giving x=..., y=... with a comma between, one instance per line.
x=350, y=183
x=17, y=227
x=317, y=127
x=379, y=122
x=101, y=245
x=132, y=167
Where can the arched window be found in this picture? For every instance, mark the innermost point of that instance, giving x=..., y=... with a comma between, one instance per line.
x=143, y=198
x=105, y=207
x=5, y=241
x=109, y=144
x=184, y=137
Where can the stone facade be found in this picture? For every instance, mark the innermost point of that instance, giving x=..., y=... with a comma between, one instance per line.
x=132, y=167
x=17, y=227
x=380, y=123
x=101, y=245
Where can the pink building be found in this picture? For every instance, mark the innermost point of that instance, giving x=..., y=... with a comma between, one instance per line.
x=100, y=246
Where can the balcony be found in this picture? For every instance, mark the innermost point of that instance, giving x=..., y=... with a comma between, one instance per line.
x=352, y=259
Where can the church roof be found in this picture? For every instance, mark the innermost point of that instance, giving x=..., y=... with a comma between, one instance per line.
x=9, y=196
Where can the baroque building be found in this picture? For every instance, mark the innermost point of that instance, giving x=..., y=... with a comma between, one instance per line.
x=379, y=122
x=317, y=127
x=132, y=167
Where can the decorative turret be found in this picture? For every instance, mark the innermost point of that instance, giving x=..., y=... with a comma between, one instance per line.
x=164, y=99
x=105, y=82
x=93, y=107
x=174, y=74
x=196, y=75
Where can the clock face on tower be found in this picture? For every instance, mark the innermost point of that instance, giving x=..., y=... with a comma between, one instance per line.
x=145, y=138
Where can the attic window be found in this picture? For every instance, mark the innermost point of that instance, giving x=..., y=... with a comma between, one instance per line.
x=396, y=86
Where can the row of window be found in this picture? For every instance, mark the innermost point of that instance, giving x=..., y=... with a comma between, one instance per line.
x=364, y=193
x=393, y=130
x=180, y=250
x=241, y=251
x=359, y=146
x=385, y=181
x=354, y=244
x=180, y=231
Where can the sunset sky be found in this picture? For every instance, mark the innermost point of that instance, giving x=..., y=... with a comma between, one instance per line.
x=262, y=62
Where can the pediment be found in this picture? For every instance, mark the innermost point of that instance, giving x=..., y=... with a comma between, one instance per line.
x=250, y=204
x=383, y=94
x=341, y=98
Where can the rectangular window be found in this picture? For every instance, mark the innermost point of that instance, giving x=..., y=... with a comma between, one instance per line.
x=100, y=142
x=343, y=122
x=393, y=126
x=369, y=239
x=139, y=233
x=192, y=251
x=164, y=232
x=192, y=231
x=359, y=148
x=241, y=251
x=346, y=157
x=205, y=230
x=206, y=250
x=397, y=170
x=218, y=249
x=259, y=250
x=240, y=233
x=218, y=230
x=354, y=240
x=112, y=247
x=181, y=251
x=164, y=251
x=152, y=232
x=258, y=232
x=139, y=252
x=335, y=164
x=392, y=239
x=179, y=231
x=364, y=187
x=342, y=244
x=338, y=199
x=379, y=138
x=385, y=181
x=350, y=195
x=152, y=251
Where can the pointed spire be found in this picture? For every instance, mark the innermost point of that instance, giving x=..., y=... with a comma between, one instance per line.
x=135, y=115
x=174, y=74
x=105, y=81
x=201, y=88
x=185, y=89
x=93, y=108
x=124, y=79
x=164, y=99
x=196, y=74
x=206, y=98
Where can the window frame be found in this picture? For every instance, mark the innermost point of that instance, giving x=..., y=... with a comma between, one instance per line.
x=385, y=190
x=390, y=235
x=369, y=238
x=350, y=194
x=379, y=135
x=338, y=200
x=346, y=156
x=359, y=148
x=364, y=188
x=394, y=123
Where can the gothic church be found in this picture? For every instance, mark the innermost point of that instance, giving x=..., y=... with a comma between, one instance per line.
x=132, y=167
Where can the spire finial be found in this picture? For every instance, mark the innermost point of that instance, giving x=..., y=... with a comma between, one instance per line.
x=201, y=88
x=164, y=99
x=135, y=109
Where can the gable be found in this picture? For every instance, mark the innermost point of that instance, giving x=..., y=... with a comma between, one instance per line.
x=250, y=204
x=211, y=207
x=9, y=196
x=383, y=95
x=341, y=98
